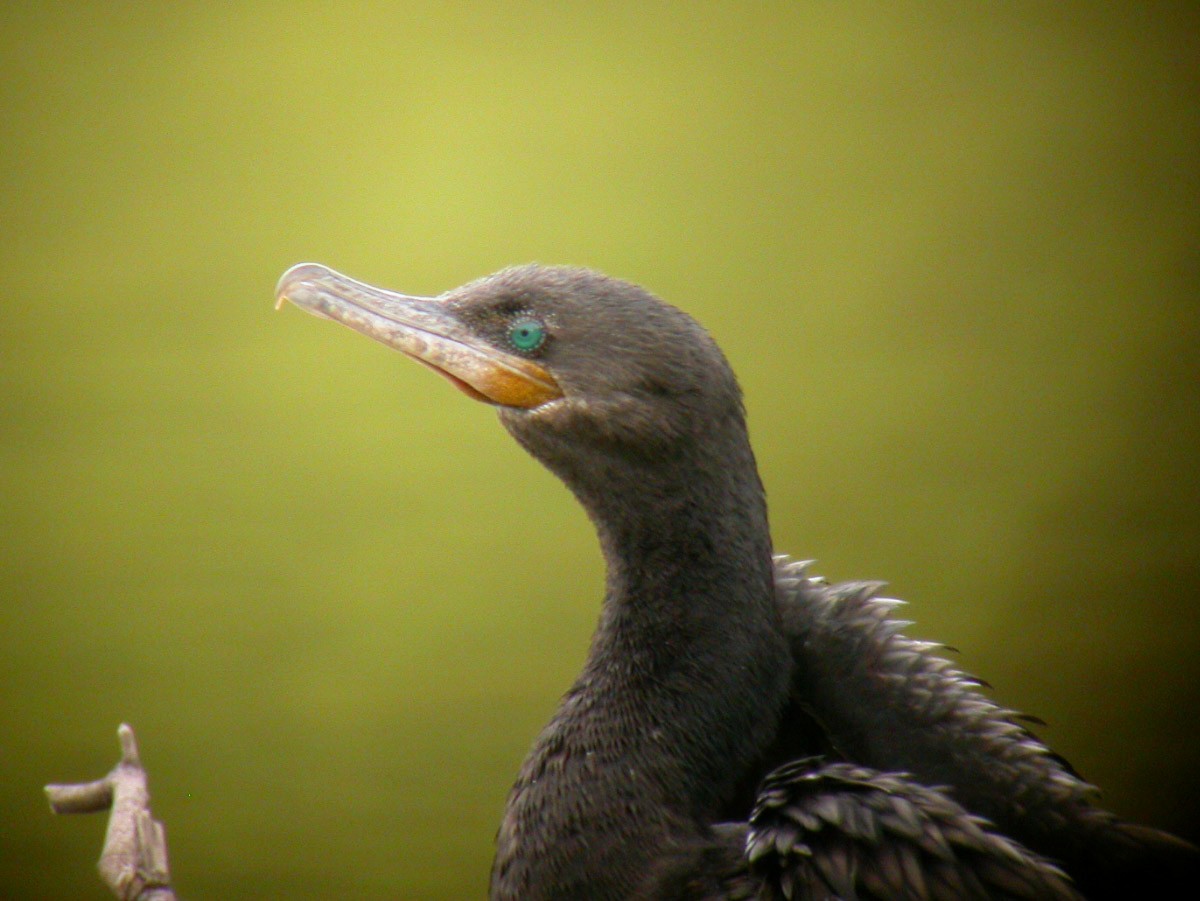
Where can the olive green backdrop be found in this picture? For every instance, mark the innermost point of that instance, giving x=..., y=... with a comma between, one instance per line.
x=953, y=253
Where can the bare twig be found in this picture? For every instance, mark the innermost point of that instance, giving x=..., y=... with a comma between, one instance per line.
x=134, y=860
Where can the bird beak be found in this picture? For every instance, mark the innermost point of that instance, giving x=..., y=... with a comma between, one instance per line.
x=422, y=328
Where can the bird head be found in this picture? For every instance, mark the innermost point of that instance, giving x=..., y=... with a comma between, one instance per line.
x=569, y=357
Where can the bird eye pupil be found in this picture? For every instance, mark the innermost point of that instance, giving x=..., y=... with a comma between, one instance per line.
x=527, y=335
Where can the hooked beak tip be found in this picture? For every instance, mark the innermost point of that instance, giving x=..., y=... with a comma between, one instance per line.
x=297, y=279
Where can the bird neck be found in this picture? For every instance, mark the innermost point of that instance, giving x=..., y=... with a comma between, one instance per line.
x=688, y=564
x=682, y=688
x=689, y=624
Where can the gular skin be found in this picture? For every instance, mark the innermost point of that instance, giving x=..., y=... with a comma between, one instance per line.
x=741, y=729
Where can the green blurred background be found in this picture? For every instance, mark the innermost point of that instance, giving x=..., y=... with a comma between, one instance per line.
x=954, y=254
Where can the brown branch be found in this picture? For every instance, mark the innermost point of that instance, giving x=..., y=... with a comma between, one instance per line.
x=134, y=860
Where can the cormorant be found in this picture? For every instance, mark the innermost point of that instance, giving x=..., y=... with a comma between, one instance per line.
x=741, y=728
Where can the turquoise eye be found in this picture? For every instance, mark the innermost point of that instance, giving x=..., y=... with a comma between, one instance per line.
x=527, y=334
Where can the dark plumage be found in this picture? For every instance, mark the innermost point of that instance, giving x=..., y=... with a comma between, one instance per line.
x=740, y=729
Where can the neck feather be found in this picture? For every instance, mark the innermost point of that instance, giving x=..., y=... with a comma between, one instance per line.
x=683, y=685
